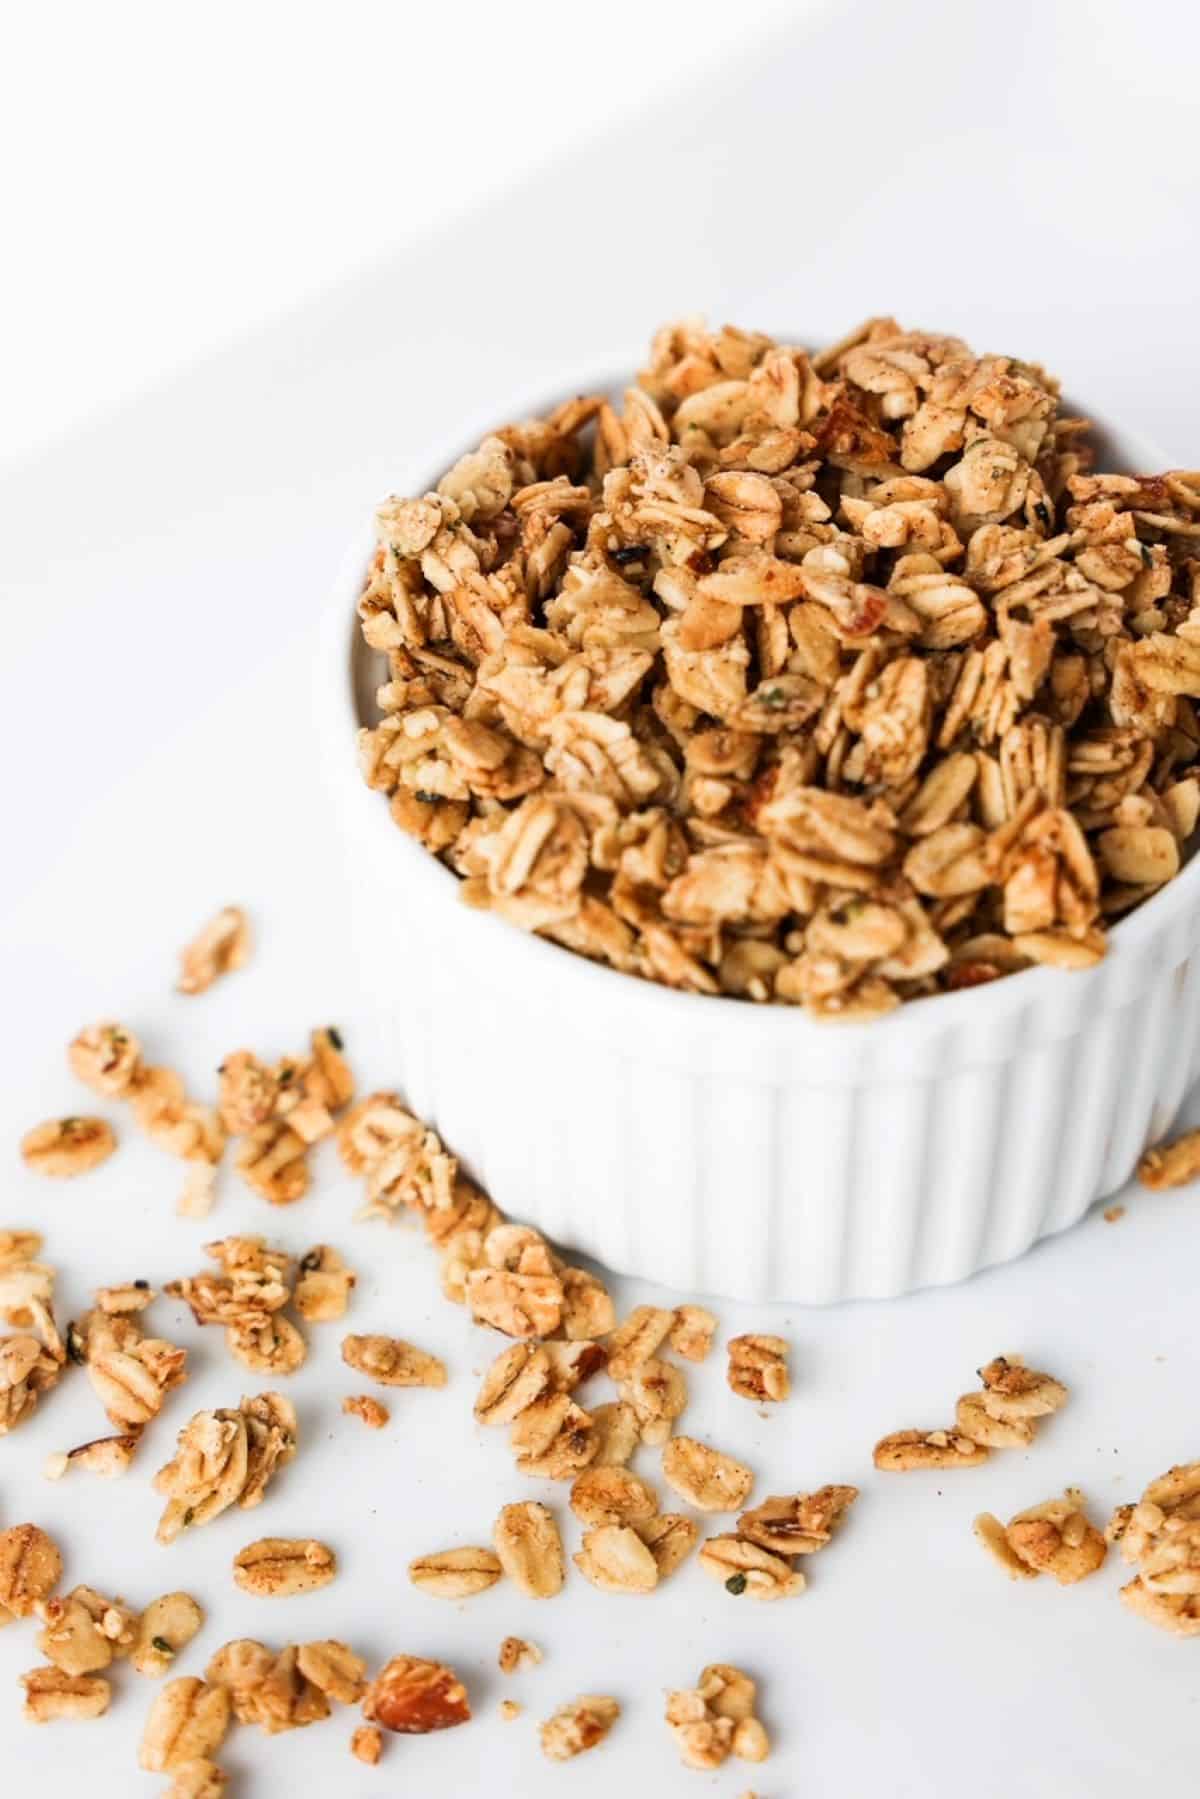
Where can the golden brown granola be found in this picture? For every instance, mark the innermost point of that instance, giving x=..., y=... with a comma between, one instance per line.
x=83, y=1633
x=670, y=1537
x=33, y=1357
x=167, y=1625
x=1054, y=1538
x=130, y=1373
x=30, y=1569
x=708, y=1479
x=414, y=1696
x=187, y=1722
x=455, y=1573
x=323, y=1286
x=1170, y=1164
x=50, y=1694
x=798, y=1523
x=63, y=1147
x=612, y=1495
x=795, y=677
x=758, y=1367
x=392, y=1362
x=615, y=1559
x=199, y=1779
x=1160, y=1537
x=366, y=1745
x=221, y=947
x=517, y=1653
x=657, y=1394
x=716, y=1718
x=742, y=1567
x=361, y=1405
x=526, y=1539
x=279, y=1567
x=691, y=1334
x=579, y=1725
x=908, y=1449
x=225, y=1458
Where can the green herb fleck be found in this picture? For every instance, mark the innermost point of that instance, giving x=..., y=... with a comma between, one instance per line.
x=736, y=1584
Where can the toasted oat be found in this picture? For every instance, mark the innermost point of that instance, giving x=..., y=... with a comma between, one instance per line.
x=530, y=1549
x=50, y=1694
x=106, y=1456
x=517, y=1653
x=32, y=1360
x=267, y=1345
x=392, y=1362
x=615, y=1559
x=1013, y=1391
x=706, y=1478
x=187, y=1722
x=908, y=1449
x=657, y=1393
x=225, y=1458
x=280, y=1567
x=361, y=1405
x=30, y=1569
x=1171, y=1164
x=167, y=1625
x=798, y=1523
x=324, y=1286
x=1160, y=1536
x=519, y=1304
x=636, y=1340
x=758, y=1367
x=553, y=1437
x=107, y=1058
x=670, y=1538
x=691, y=1334
x=63, y=1147
x=221, y=947
x=455, y=1573
x=1055, y=1538
x=612, y=1495
x=516, y=1378
x=617, y=1432
x=716, y=1718
x=975, y=1421
x=182, y=1127
x=743, y=1567
x=366, y=1745
x=131, y=1374
x=272, y=1163
x=199, y=1779
x=587, y=1307
x=84, y=1632
x=414, y=1696
x=577, y=1726
x=197, y=1194
x=333, y=1669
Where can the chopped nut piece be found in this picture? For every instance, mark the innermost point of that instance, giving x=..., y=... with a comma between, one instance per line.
x=908, y=1449
x=615, y=1559
x=366, y=1745
x=361, y=1405
x=415, y=1696
x=1171, y=1164
x=707, y=1479
x=691, y=1335
x=657, y=1392
x=63, y=1147
x=797, y=1523
x=30, y=1568
x=611, y=1495
x=580, y=1725
x=670, y=1538
x=636, y=1340
x=530, y=1549
x=51, y=1694
x=455, y=1573
x=392, y=1362
x=220, y=948
x=107, y=1058
x=324, y=1287
x=280, y=1567
x=516, y=1653
x=758, y=1367
x=743, y=1567
x=187, y=1721
x=167, y=1625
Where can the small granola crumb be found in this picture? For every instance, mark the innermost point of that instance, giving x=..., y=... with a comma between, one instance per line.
x=361, y=1405
x=366, y=1745
x=509, y=1709
x=1112, y=1214
x=578, y=1726
x=1171, y=1164
x=516, y=1653
x=324, y=1286
x=64, y=1147
x=758, y=1368
x=221, y=947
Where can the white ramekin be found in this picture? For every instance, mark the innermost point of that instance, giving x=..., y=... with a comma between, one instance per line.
x=745, y=1150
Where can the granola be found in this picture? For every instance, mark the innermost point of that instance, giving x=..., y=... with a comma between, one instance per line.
x=279, y=1567
x=366, y=1745
x=167, y=1625
x=455, y=1573
x=130, y=1373
x=187, y=1721
x=32, y=1358
x=908, y=1449
x=758, y=1367
x=64, y=1147
x=691, y=1334
x=221, y=947
x=526, y=1540
x=1054, y=1538
x=225, y=1458
x=50, y=1694
x=1160, y=1537
x=742, y=1567
x=83, y=1633
x=392, y=1362
x=715, y=1719
x=361, y=1405
x=324, y=1286
x=615, y=1559
x=612, y=1495
x=1171, y=1164
x=517, y=1653
x=791, y=677
x=670, y=1537
x=579, y=1725
x=798, y=1523
x=30, y=1569
x=709, y=1480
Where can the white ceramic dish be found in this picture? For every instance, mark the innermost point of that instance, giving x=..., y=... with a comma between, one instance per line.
x=744, y=1150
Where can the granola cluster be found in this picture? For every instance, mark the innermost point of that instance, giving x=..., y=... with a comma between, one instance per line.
x=225, y=1458
x=1160, y=1537
x=834, y=680
x=248, y=1297
x=32, y=1354
x=130, y=1373
x=715, y=1719
x=1003, y=1414
x=1055, y=1538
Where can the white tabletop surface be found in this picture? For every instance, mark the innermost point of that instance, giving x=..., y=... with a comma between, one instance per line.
x=163, y=576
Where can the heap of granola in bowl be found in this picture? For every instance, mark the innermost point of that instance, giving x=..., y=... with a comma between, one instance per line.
x=836, y=679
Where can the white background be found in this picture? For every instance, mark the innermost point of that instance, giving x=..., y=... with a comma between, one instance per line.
x=352, y=227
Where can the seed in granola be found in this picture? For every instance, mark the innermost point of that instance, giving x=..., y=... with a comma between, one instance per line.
x=691, y=1334
x=392, y=1362
x=670, y=1537
x=30, y=1568
x=50, y=1694
x=63, y=1147
x=758, y=1367
x=611, y=1495
x=743, y=1567
x=908, y=1449
x=167, y=1625
x=530, y=1549
x=516, y=1653
x=107, y=1058
x=324, y=1287
x=1171, y=1164
x=280, y=1567
x=366, y=1745
x=221, y=947
x=706, y=1478
x=187, y=1721
x=455, y=1573
x=415, y=1696
x=798, y=1523
x=361, y=1405
x=636, y=1340
x=579, y=1725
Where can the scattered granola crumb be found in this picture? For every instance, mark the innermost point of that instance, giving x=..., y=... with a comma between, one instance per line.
x=221, y=947
x=517, y=1653
x=715, y=1719
x=578, y=1726
x=361, y=1405
x=1171, y=1164
x=1113, y=1214
x=509, y=1709
x=366, y=1745
x=758, y=1367
x=65, y=1147
x=324, y=1286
